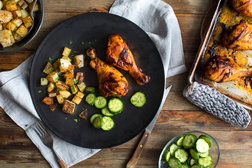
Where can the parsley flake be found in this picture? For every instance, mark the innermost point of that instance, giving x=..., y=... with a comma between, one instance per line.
x=39, y=91
x=70, y=107
x=75, y=120
x=82, y=43
x=71, y=42
x=50, y=60
x=26, y=125
x=65, y=118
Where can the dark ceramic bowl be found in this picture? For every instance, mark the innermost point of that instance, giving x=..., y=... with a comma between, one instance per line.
x=38, y=20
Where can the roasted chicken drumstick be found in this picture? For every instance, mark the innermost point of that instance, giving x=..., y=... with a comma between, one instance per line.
x=119, y=55
x=111, y=81
x=243, y=6
x=223, y=69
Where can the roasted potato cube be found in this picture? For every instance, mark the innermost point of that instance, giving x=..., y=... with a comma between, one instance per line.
x=28, y=22
x=82, y=86
x=36, y=8
x=48, y=68
x=74, y=89
x=52, y=94
x=1, y=5
x=11, y=5
x=17, y=13
x=78, y=97
x=69, y=81
x=50, y=87
x=52, y=77
x=17, y=22
x=79, y=60
x=61, y=85
x=21, y=2
x=22, y=31
x=29, y=1
x=24, y=13
x=69, y=74
x=6, y=38
x=1, y=27
x=65, y=65
x=66, y=52
x=5, y=16
x=11, y=26
x=17, y=37
x=24, y=6
x=56, y=64
x=48, y=100
x=64, y=93
x=43, y=81
x=68, y=107
x=60, y=99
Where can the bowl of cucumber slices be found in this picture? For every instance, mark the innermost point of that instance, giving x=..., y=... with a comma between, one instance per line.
x=193, y=149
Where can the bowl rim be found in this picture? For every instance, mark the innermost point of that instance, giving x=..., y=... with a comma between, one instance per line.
x=35, y=34
x=187, y=132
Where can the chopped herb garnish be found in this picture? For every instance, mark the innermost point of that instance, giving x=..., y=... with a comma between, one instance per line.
x=39, y=91
x=70, y=107
x=75, y=52
x=89, y=42
x=58, y=89
x=82, y=43
x=50, y=60
x=65, y=118
x=65, y=109
x=76, y=81
x=26, y=125
x=75, y=120
x=71, y=42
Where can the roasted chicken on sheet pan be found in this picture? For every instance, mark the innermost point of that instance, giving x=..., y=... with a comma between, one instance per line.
x=119, y=55
x=240, y=38
x=111, y=81
x=243, y=6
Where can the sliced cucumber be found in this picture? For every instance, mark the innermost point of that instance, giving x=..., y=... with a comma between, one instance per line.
x=180, y=141
x=173, y=147
x=138, y=99
x=115, y=105
x=207, y=139
x=202, y=146
x=97, y=123
x=193, y=161
x=107, y=123
x=100, y=102
x=90, y=89
x=204, y=154
x=206, y=161
x=90, y=99
x=166, y=155
x=194, y=154
x=196, y=166
x=93, y=117
x=105, y=111
x=174, y=163
x=181, y=155
x=189, y=141
x=184, y=166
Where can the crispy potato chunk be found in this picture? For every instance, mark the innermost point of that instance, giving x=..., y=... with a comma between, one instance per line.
x=50, y=87
x=28, y=22
x=64, y=93
x=78, y=97
x=52, y=77
x=22, y=31
x=11, y=5
x=24, y=13
x=48, y=100
x=68, y=107
x=11, y=26
x=6, y=38
x=79, y=60
x=66, y=52
x=60, y=99
x=74, y=89
x=5, y=16
x=48, y=68
x=17, y=37
x=61, y=85
x=52, y=94
x=17, y=22
x=17, y=13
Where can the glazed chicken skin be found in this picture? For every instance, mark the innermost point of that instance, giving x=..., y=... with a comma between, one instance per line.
x=223, y=69
x=243, y=6
x=111, y=81
x=119, y=55
x=240, y=38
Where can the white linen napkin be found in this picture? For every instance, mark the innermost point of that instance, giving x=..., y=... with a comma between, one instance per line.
x=155, y=17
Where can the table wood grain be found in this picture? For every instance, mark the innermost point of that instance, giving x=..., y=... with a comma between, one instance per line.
x=178, y=115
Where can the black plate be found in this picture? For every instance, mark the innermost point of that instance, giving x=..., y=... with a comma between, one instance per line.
x=93, y=29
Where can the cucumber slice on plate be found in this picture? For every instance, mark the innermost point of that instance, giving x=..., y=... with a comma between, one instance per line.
x=107, y=123
x=184, y=166
x=202, y=146
x=97, y=123
x=194, y=154
x=207, y=139
x=90, y=99
x=173, y=147
x=174, y=163
x=100, y=102
x=90, y=89
x=206, y=161
x=166, y=155
x=105, y=111
x=138, y=99
x=192, y=162
x=115, y=105
x=93, y=117
x=204, y=154
x=180, y=141
x=181, y=155
x=189, y=141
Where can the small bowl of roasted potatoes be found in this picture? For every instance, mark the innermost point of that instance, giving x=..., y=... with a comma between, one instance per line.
x=17, y=26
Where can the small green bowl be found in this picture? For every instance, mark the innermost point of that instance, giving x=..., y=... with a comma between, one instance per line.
x=214, y=150
x=38, y=21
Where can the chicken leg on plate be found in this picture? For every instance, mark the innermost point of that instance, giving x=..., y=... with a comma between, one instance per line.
x=223, y=69
x=119, y=55
x=111, y=81
x=243, y=6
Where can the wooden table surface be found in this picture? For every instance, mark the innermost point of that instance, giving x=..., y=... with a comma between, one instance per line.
x=177, y=116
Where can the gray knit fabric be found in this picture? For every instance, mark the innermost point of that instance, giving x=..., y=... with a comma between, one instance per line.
x=217, y=104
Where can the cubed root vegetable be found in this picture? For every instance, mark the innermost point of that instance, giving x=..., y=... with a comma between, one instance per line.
x=78, y=97
x=48, y=100
x=68, y=107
